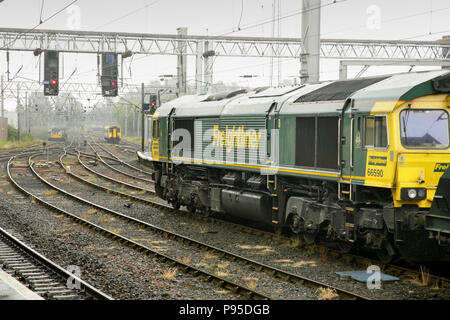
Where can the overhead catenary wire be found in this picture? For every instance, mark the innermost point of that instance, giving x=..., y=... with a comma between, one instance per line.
x=42, y=10
x=296, y=12
x=240, y=18
x=335, y=31
x=127, y=14
x=40, y=23
x=417, y=14
x=292, y=14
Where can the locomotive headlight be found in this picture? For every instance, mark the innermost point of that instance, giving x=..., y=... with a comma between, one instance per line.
x=413, y=193
x=422, y=193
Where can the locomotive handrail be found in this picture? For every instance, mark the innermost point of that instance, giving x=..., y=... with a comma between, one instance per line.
x=351, y=142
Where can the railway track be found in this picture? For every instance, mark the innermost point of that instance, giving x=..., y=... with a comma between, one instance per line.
x=136, y=184
x=32, y=190
x=255, y=265
x=126, y=146
x=129, y=144
x=394, y=269
x=40, y=274
x=126, y=168
x=132, y=167
x=6, y=155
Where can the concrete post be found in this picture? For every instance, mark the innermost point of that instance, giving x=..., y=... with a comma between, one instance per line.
x=342, y=71
x=126, y=121
x=208, y=67
x=310, y=58
x=181, y=68
x=18, y=112
x=3, y=129
x=199, y=68
x=143, y=119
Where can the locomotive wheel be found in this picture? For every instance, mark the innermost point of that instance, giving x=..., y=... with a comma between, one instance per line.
x=384, y=255
x=278, y=230
x=191, y=208
x=309, y=237
x=206, y=212
x=296, y=223
x=159, y=191
x=345, y=246
x=175, y=205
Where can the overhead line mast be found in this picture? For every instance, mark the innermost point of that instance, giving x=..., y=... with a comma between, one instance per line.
x=310, y=57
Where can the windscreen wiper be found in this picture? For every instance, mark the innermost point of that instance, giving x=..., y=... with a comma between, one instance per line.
x=404, y=127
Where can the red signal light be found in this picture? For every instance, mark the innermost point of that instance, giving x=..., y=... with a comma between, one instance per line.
x=113, y=83
x=53, y=82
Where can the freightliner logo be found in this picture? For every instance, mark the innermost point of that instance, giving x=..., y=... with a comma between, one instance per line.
x=441, y=167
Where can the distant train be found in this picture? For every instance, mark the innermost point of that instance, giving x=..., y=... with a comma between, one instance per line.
x=113, y=134
x=57, y=134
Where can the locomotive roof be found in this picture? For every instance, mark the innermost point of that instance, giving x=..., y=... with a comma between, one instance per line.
x=260, y=103
x=381, y=94
x=338, y=90
x=194, y=105
x=398, y=88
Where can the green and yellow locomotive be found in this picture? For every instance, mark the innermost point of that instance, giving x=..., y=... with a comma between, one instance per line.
x=360, y=162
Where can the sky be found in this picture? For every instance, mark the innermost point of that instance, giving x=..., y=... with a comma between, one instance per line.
x=346, y=19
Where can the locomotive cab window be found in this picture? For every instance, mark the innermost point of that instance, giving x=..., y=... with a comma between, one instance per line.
x=155, y=129
x=424, y=129
x=375, y=132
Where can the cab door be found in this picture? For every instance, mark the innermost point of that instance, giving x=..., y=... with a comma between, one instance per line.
x=352, y=151
x=155, y=137
x=271, y=124
x=346, y=142
x=170, y=126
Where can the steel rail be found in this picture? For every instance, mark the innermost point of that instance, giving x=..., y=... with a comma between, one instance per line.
x=237, y=288
x=115, y=169
x=52, y=267
x=105, y=176
x=276, y=272
x=33, y=148
x=121, y=161
x=86, y=287
x=392, y=268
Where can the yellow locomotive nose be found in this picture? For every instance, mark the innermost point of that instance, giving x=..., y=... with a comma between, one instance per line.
x=438, y=220
x=418, y=176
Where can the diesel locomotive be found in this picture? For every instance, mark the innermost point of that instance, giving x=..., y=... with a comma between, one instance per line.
x=360, y=163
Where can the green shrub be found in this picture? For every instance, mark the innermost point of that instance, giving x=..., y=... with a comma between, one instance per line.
x=12, y=133
x=26, y=139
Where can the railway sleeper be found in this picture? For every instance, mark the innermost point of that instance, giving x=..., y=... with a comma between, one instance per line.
x=66, y=297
